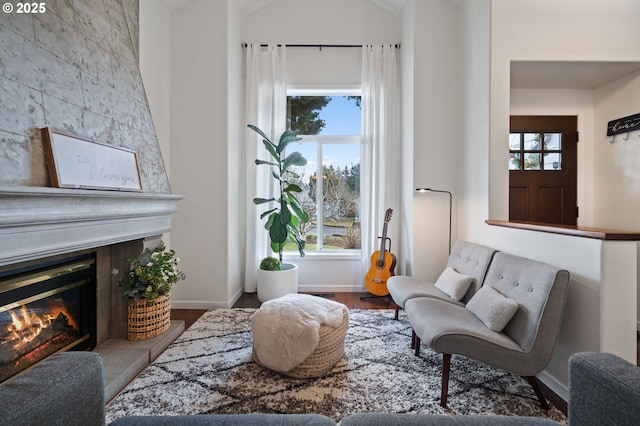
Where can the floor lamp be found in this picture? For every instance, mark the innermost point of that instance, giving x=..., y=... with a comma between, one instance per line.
x=450, y=206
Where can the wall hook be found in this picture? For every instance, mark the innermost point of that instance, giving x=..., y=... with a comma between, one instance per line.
x=626, y=138
x=613, y=139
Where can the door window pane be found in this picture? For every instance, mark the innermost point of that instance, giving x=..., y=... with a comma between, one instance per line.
x=514, y=161
x=552, y=161
x=552, y=141
x=514, y=141
x=532, y=161
x=532, y=141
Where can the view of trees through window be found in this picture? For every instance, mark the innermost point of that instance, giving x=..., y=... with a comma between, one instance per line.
x=330, y=128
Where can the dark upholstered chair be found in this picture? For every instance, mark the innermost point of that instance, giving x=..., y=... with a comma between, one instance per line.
x=524, y=347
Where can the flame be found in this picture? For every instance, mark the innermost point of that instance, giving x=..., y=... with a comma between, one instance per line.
x=26, y=325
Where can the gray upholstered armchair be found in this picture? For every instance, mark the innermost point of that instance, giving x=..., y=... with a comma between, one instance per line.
x=466, y=258
x=525, y=345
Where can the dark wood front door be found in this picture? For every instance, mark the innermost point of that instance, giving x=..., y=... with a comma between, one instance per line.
x=543, y=169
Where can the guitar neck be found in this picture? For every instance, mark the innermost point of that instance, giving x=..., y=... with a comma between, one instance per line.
x=383, y=243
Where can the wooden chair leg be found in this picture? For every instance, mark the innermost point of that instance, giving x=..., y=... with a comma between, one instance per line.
x=446, y=368
x=416, y=343
x=533, y=380
x=397, y=312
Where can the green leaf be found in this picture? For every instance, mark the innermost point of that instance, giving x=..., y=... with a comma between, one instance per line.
x=260, y=132
x=298, y=210
x=292, y=173
x=287, y=137
x=258, y=201
x=272, y=149
x=295, y=159
x=296, y=238
x=292, y=187
x=259, y=162
x=275, y=175
x=278, y=231
x=267, y=213
x=270, y=221
x=285, y=214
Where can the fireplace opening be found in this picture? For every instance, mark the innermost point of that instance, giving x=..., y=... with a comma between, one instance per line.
x=45, y=309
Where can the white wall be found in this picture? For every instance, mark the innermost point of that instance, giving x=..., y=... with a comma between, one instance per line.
x=603, y=273
x=199, y=151
x=235, y=186
x=434, y=129
x=155, y=68
x=617, y=169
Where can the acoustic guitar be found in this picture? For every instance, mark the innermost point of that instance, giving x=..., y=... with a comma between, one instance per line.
x=382, y=264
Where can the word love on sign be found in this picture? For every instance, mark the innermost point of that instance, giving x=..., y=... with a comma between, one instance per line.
x=74, y=162
x=623, y=125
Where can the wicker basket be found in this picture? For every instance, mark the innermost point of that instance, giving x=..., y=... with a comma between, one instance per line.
x=329, y=351
x=148, y=318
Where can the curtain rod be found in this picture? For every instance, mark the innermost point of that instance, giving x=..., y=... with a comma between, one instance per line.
x=319, y=46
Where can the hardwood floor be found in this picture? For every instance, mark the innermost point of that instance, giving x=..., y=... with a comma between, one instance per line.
x=352, y=301
x=189, y=316
x=362, y=300
x=250, y=300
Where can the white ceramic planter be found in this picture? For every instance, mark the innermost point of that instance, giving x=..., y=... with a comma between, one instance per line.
x=274, y=284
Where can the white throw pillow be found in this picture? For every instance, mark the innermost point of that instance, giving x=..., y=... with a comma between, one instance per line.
x=453, y=283
x=492, y=308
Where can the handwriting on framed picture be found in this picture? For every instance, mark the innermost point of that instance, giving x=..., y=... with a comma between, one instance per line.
x=75, y=162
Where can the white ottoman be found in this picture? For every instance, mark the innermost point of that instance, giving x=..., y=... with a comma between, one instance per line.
x=299, y=335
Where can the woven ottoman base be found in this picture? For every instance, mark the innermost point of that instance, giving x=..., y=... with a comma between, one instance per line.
x=328, y=352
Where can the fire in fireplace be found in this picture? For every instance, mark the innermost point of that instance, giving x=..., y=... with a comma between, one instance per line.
x=44, y=309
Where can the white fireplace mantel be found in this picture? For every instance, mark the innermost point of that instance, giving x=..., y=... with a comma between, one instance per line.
x=39, y=222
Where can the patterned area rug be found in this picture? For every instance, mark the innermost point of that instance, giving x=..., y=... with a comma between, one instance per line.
x=209, y=370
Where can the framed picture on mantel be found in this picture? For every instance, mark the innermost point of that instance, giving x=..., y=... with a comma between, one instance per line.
x=75, y=162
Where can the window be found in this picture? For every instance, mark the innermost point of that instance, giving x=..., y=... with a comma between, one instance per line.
x=535, y=151
x=330, y=127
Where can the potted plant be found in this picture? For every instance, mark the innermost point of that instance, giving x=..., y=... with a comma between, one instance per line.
x=284, y=215
x=147, y=286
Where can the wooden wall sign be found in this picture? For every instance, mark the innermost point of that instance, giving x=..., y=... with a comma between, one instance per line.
x=623, y=125
x=75, y=162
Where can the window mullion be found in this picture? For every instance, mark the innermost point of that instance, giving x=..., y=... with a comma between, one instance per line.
x=319, y=198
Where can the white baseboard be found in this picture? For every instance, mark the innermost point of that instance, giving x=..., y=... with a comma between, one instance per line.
x=198, y=304
x=338, y=288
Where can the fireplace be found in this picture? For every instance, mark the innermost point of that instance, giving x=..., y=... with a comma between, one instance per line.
x=46, y=308
x=47, y=227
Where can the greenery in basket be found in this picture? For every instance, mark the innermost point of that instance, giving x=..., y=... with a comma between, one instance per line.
x=152, y=274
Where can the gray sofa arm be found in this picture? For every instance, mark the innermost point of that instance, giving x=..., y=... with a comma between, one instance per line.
x=65, y=389
x=604, y=390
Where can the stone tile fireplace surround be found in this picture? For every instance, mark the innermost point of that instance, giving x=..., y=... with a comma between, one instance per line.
x=40, y=224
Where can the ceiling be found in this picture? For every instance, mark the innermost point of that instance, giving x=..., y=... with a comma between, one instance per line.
x=567, y=75
x=250, y=6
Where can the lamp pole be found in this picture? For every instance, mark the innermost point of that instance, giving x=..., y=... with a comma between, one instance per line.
x=450, y=207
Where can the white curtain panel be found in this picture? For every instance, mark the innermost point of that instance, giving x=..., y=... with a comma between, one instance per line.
x=266, y=104
x=380, y=149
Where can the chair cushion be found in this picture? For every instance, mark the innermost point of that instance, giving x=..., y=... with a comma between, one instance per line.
x=453, y=283
x=403, y=288
x=492, y=308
